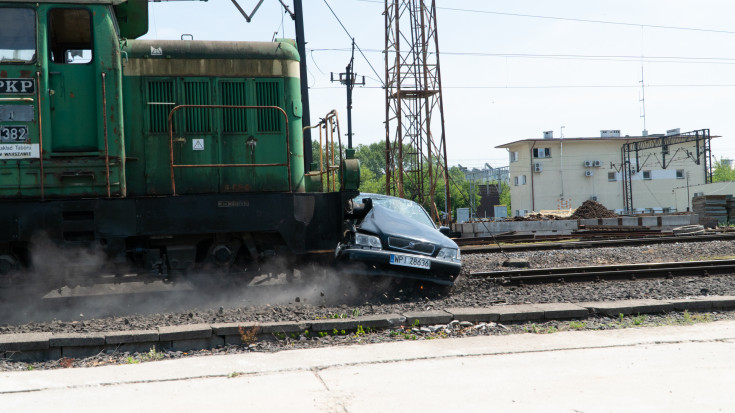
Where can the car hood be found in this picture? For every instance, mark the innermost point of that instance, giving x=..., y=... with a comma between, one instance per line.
x=384, y=222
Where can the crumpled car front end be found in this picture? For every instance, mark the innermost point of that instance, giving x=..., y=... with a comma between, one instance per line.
x=387, y=243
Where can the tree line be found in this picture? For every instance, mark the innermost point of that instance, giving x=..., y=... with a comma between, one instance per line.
x=372, y=179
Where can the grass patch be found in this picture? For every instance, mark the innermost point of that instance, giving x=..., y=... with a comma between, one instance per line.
x=151, y=355
x=577, y=325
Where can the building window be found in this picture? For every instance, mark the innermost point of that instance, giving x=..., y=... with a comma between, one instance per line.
x=515, y=180
x=679, y=174
x=541, y=152
x=514, y=156
x=612, y=176
x=646, y=174
x=523, y=179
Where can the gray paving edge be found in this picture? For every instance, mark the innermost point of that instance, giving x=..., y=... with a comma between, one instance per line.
x=47, y=346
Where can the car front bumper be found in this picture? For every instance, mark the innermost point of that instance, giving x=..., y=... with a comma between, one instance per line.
x=378, y=263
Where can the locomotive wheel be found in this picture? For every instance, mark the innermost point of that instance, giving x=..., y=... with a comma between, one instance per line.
x=10, y=270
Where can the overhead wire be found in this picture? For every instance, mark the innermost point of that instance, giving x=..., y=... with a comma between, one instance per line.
x=621, y=58
x=353, y=39
x=556, y=86
x=573, y=19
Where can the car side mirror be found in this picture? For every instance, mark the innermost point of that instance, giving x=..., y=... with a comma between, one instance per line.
x=445, y=230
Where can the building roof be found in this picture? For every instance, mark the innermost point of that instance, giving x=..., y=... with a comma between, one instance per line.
x=597, y=139
x=622, y=139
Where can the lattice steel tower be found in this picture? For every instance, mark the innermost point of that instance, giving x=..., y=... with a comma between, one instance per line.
x=415, y=142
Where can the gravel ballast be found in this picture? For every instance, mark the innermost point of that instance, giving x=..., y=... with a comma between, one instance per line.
x=333, y=297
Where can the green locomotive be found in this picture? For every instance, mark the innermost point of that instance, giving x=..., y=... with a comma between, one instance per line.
x=169, y=155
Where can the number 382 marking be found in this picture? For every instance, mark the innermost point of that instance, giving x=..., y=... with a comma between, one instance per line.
x=13, y=133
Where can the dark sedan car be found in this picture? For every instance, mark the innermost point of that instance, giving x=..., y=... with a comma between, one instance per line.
x=395, y=237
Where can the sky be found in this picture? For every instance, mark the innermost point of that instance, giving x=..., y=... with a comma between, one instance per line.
x=512, y=70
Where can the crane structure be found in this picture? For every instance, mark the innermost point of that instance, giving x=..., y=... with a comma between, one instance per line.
x=415, y=144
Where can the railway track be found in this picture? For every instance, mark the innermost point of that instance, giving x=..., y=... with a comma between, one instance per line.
x=612, y=242
x=609, y=272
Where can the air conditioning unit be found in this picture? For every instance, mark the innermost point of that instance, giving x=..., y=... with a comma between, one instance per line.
x=587, y=164
x=537, y=167
x=588, y=173
x=596, y=164
x=593, y=198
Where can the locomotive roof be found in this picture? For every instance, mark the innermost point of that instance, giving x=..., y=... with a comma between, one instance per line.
x=113, y=2
x=204, y=49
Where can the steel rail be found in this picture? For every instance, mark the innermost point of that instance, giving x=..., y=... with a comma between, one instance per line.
x=595, y=244
x=609, y=272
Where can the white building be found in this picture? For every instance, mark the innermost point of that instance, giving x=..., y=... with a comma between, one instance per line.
x=557, y=174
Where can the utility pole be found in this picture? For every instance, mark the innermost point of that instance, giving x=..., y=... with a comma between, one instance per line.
x=298, y=17
x=415, y=145
x=349, y=80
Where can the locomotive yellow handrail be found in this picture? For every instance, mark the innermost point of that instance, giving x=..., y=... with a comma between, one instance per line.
x=29, y=100
x=104, y=122
x=40, y=133
x=328, y=123
x=230, y=165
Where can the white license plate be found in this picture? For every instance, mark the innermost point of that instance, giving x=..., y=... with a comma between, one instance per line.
x=407, y=261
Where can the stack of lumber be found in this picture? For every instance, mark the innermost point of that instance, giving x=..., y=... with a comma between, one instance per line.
x=712, y=209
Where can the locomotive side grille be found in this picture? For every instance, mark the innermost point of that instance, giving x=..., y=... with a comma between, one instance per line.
x=269, y=120
x=197, y=119
x=234, y=93
x=410, y=245
x=159, y=93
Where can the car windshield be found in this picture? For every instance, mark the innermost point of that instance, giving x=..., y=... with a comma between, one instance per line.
x=404, y=207
x=17, y=35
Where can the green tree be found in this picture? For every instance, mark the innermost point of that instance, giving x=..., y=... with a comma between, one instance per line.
x=372, y=157
x=369, y=182
x=372, y=178
x=723, y=171
x=505, y=196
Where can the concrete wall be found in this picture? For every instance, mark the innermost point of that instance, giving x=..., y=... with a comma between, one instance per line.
x=683, y=195
x=563, y=227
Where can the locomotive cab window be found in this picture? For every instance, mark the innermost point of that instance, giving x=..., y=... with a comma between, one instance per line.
x=70, y=36
x=17, y=35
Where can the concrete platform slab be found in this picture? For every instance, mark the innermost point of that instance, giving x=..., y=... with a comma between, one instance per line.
x=381, y=320
x=554, y=311
x=185, y=332
x=75, y=352
x=196, y=343
x=627, y=307
x=721, y=302
x=24, y=342
x=133, y=336
x=520, y=312
x=225, y=329
x=77, y=340
x=428, y=317
x=284, y=327
x=691, y=304
x=474, y=315
x=334, y=323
